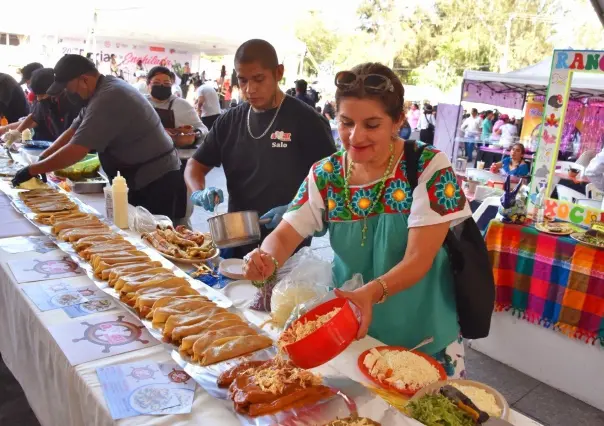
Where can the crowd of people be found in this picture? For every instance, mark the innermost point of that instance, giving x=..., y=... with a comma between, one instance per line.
x=279, y=158
x=489, y=127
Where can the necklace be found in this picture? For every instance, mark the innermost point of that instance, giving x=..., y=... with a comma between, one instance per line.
x=249, y=129
x=378, y=194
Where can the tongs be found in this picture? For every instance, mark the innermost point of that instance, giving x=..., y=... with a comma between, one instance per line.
x=464, y=403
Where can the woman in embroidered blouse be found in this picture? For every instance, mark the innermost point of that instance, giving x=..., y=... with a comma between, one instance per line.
x=377, y=225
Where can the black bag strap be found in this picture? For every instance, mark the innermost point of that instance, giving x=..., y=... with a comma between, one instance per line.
x=413, y=152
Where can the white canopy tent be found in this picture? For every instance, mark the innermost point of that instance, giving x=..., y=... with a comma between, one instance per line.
x=534, y=79
x=206, y=28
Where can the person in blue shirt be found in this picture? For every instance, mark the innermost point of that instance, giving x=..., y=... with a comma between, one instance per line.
x=513, y=165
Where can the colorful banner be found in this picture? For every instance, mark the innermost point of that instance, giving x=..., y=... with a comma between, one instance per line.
x=564, y=64
x=533, y=117
x=127, y=54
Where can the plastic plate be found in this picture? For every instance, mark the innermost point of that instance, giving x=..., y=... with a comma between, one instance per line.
x=387, y=386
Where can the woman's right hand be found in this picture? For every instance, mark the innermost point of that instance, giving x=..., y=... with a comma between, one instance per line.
x=258, y=265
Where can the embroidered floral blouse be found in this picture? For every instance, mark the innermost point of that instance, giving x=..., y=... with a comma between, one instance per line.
x=428, y=307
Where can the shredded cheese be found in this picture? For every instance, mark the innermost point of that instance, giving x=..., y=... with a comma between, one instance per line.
x=273, y=378
x=301, y=329
x=481, y=398
x=401, y=369
x=361, y=421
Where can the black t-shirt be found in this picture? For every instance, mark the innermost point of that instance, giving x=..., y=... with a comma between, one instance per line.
x=53, y=116
x=13, y=104
x=266, y=173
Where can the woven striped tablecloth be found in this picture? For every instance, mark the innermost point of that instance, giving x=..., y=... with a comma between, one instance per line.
x=550, y=280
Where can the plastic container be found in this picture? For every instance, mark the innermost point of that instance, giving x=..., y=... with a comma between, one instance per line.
x=108, y=203
x=119, y=193
x=328, y=341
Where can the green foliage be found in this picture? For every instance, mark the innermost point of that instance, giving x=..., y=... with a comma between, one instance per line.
x=432, y=44
x=320, y=42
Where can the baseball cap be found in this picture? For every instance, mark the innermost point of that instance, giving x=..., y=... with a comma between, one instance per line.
x=28, y=70
x=68, y=68
x=41, y=80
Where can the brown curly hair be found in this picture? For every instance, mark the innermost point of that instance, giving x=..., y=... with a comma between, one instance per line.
x=392, y=101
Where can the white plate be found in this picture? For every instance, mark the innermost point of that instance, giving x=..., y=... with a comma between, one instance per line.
x=240, y=290
x=232, y=268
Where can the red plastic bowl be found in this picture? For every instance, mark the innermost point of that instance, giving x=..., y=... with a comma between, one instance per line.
x=329, y=340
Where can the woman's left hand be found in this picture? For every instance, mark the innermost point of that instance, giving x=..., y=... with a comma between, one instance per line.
x=364, y=298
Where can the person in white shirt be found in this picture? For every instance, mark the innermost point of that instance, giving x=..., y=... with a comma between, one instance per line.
x=176, y=90
x=141, y=82
x=595, y=170
x=509, y=133
x=471, y=129
x=207, y=103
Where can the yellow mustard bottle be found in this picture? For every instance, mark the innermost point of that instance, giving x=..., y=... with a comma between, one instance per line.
x=119, y=195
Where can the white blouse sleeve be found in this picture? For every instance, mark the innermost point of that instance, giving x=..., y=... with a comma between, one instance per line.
x=437, y=197
x=307, y=210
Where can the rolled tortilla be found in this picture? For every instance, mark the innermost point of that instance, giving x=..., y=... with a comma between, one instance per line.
x=143, y=276
x=102, y=266
x=228, y=347
x=227, y=319
x=200, y=342
x=159, y=283
x=161, y=315
x=143, y=302
x=86, y=242
x=115, y=256
x=114, y=273
x=198, y=315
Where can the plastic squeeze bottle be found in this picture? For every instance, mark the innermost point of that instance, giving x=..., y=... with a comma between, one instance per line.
x=119, y=194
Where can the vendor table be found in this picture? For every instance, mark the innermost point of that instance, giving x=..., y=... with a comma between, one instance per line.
x=64, y=395
x=557, y=283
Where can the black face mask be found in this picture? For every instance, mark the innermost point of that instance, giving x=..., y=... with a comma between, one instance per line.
x=161, y=92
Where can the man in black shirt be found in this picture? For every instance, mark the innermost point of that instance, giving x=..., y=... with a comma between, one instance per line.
x=266, y=145
x=50, y=116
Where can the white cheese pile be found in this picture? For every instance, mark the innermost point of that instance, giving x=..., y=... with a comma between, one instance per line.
x=401, y=369
x=481, y=398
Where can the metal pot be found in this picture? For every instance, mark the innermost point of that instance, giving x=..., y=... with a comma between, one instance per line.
x=236, y=229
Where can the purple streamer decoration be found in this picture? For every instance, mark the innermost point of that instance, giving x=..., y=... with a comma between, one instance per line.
x=592, y=137
x=573, y=112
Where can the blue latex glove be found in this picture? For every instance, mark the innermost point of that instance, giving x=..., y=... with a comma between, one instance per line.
x=206, y=198
x=275, y=215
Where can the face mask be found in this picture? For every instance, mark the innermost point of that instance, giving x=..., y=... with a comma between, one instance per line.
x=161, y=92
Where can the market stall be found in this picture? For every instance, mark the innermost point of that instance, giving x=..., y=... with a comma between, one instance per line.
x=525, y=89
x=553, y=281
x=61, y=358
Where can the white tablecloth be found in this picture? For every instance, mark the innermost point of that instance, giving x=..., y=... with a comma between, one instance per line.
x=63, y=395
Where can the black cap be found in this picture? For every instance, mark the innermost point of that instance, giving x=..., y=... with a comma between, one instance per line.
x=28, y=70
x=41, y=80
x=68, y=68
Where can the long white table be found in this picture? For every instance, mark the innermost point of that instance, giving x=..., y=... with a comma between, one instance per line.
x=63, y=395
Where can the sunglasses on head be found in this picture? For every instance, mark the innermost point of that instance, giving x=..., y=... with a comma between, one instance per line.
x=374, y=83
